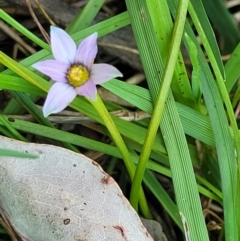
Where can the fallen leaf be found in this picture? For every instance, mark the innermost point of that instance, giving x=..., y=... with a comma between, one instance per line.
x=63, y=196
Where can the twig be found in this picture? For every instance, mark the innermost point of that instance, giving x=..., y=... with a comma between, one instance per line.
x=78, y=118
x=237, y=111
x=44, y=33
x=44, y=13
x=11, y=33
x=136, y=79
x=117, y=46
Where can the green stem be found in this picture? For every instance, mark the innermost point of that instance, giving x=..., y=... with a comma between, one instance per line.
x=161, y=99
x=106, y=117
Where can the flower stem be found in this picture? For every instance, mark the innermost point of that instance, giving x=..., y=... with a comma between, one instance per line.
x=108, y=121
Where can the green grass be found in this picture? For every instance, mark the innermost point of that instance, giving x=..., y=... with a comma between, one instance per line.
x=187, y=105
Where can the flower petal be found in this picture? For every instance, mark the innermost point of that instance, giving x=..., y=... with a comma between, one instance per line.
x=101, y=73
x=63, y=47
x=55, y=69
x=58, y=98
x=88, y=89
x=87, y=51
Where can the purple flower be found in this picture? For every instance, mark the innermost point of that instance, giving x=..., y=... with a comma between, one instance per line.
x=72, y=70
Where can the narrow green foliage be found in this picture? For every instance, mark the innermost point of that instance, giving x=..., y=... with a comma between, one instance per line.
x=14, y=132
x=231, y=229
x=196, y=86
x=236, y=97
x=180, y=83
x=158, y=106
x=223, y=22
x=220, y=77
x=182, y=172
x=16, y=83
x=232, y=69
x=59, y=135
x=224, y=142
x=85, y=17
x=207, y=36
x=13, y=153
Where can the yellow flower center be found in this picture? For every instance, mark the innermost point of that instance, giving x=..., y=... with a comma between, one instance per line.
x=77, y=75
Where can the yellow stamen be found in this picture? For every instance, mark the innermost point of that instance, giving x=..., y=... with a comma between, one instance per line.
x=77, y=75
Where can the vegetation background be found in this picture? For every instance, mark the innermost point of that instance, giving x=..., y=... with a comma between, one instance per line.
x=177, y=106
